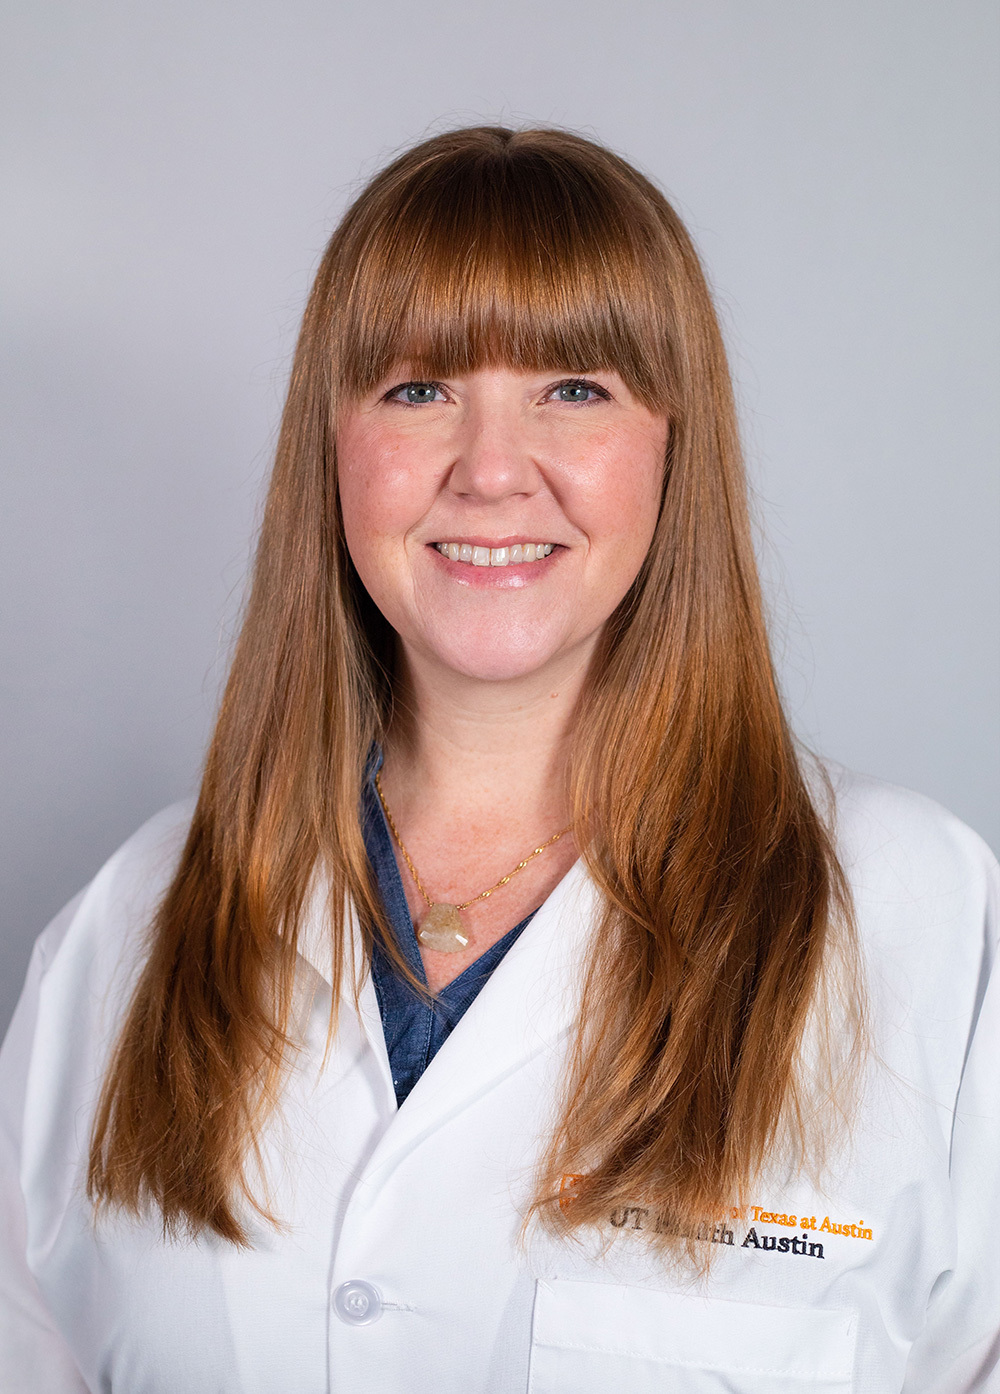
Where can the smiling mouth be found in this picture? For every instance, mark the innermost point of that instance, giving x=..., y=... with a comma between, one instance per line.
x=494, y=556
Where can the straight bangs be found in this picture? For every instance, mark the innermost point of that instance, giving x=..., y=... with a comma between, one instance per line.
x=506, y=259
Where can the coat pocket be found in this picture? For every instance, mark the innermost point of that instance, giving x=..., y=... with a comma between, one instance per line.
x=591, y=1338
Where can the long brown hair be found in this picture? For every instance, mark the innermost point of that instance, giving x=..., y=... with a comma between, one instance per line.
x=724, y=902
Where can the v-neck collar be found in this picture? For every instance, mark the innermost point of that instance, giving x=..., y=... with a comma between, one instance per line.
x=530, y=1001
x=382, y=855
x=414, y=1027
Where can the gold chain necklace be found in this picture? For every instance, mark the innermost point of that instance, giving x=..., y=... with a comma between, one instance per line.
x=441, y=928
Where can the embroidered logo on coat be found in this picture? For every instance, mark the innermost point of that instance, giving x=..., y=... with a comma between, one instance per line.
x=805, y=1244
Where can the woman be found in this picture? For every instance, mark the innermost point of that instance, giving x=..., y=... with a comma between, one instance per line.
x=518, y=1008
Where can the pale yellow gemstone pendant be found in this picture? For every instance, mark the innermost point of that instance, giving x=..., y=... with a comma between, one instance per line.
x=441, y=929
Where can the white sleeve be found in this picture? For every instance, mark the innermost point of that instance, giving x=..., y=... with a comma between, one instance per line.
x=958, y=1351
x=33, y=1355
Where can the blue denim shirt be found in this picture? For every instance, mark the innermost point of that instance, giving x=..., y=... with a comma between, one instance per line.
x=414, y=1030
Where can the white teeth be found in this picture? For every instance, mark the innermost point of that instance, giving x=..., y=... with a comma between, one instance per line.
x=495, y=556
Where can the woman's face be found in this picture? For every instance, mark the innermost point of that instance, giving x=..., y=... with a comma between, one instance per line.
x=451, y=492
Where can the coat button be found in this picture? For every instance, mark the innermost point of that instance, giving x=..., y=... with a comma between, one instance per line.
x=357, y=1303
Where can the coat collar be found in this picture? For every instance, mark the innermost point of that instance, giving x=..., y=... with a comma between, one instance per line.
x=530, y=1000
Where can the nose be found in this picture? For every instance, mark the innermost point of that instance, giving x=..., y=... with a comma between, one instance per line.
x=493, y=458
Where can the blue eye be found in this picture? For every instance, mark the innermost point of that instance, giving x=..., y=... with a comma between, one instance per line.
x=579, y=391
x=416, y=392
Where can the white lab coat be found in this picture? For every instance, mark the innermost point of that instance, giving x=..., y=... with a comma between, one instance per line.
x=420, y=1208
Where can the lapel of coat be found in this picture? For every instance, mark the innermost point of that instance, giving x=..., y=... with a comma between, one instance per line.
x=315, y=948
x=530, y=1000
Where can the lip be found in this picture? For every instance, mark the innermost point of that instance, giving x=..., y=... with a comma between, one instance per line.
x=495, y=578
x=514, y=540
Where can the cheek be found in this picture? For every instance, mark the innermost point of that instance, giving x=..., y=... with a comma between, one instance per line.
x=622, y=492
x=382, y=487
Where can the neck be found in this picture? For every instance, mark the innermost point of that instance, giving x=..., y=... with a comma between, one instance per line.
x=495, y=750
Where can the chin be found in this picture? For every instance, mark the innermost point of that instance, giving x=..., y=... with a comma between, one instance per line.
x=492, y=659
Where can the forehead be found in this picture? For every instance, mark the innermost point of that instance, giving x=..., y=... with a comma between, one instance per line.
x=527, y=284
x=498, y=374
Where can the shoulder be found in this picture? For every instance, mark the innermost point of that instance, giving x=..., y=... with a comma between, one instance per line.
x=78, y=982
x=926, y=890
x=110, y=914
x=900, y=844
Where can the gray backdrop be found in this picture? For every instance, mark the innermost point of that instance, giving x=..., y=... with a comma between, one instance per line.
x=171, y=173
